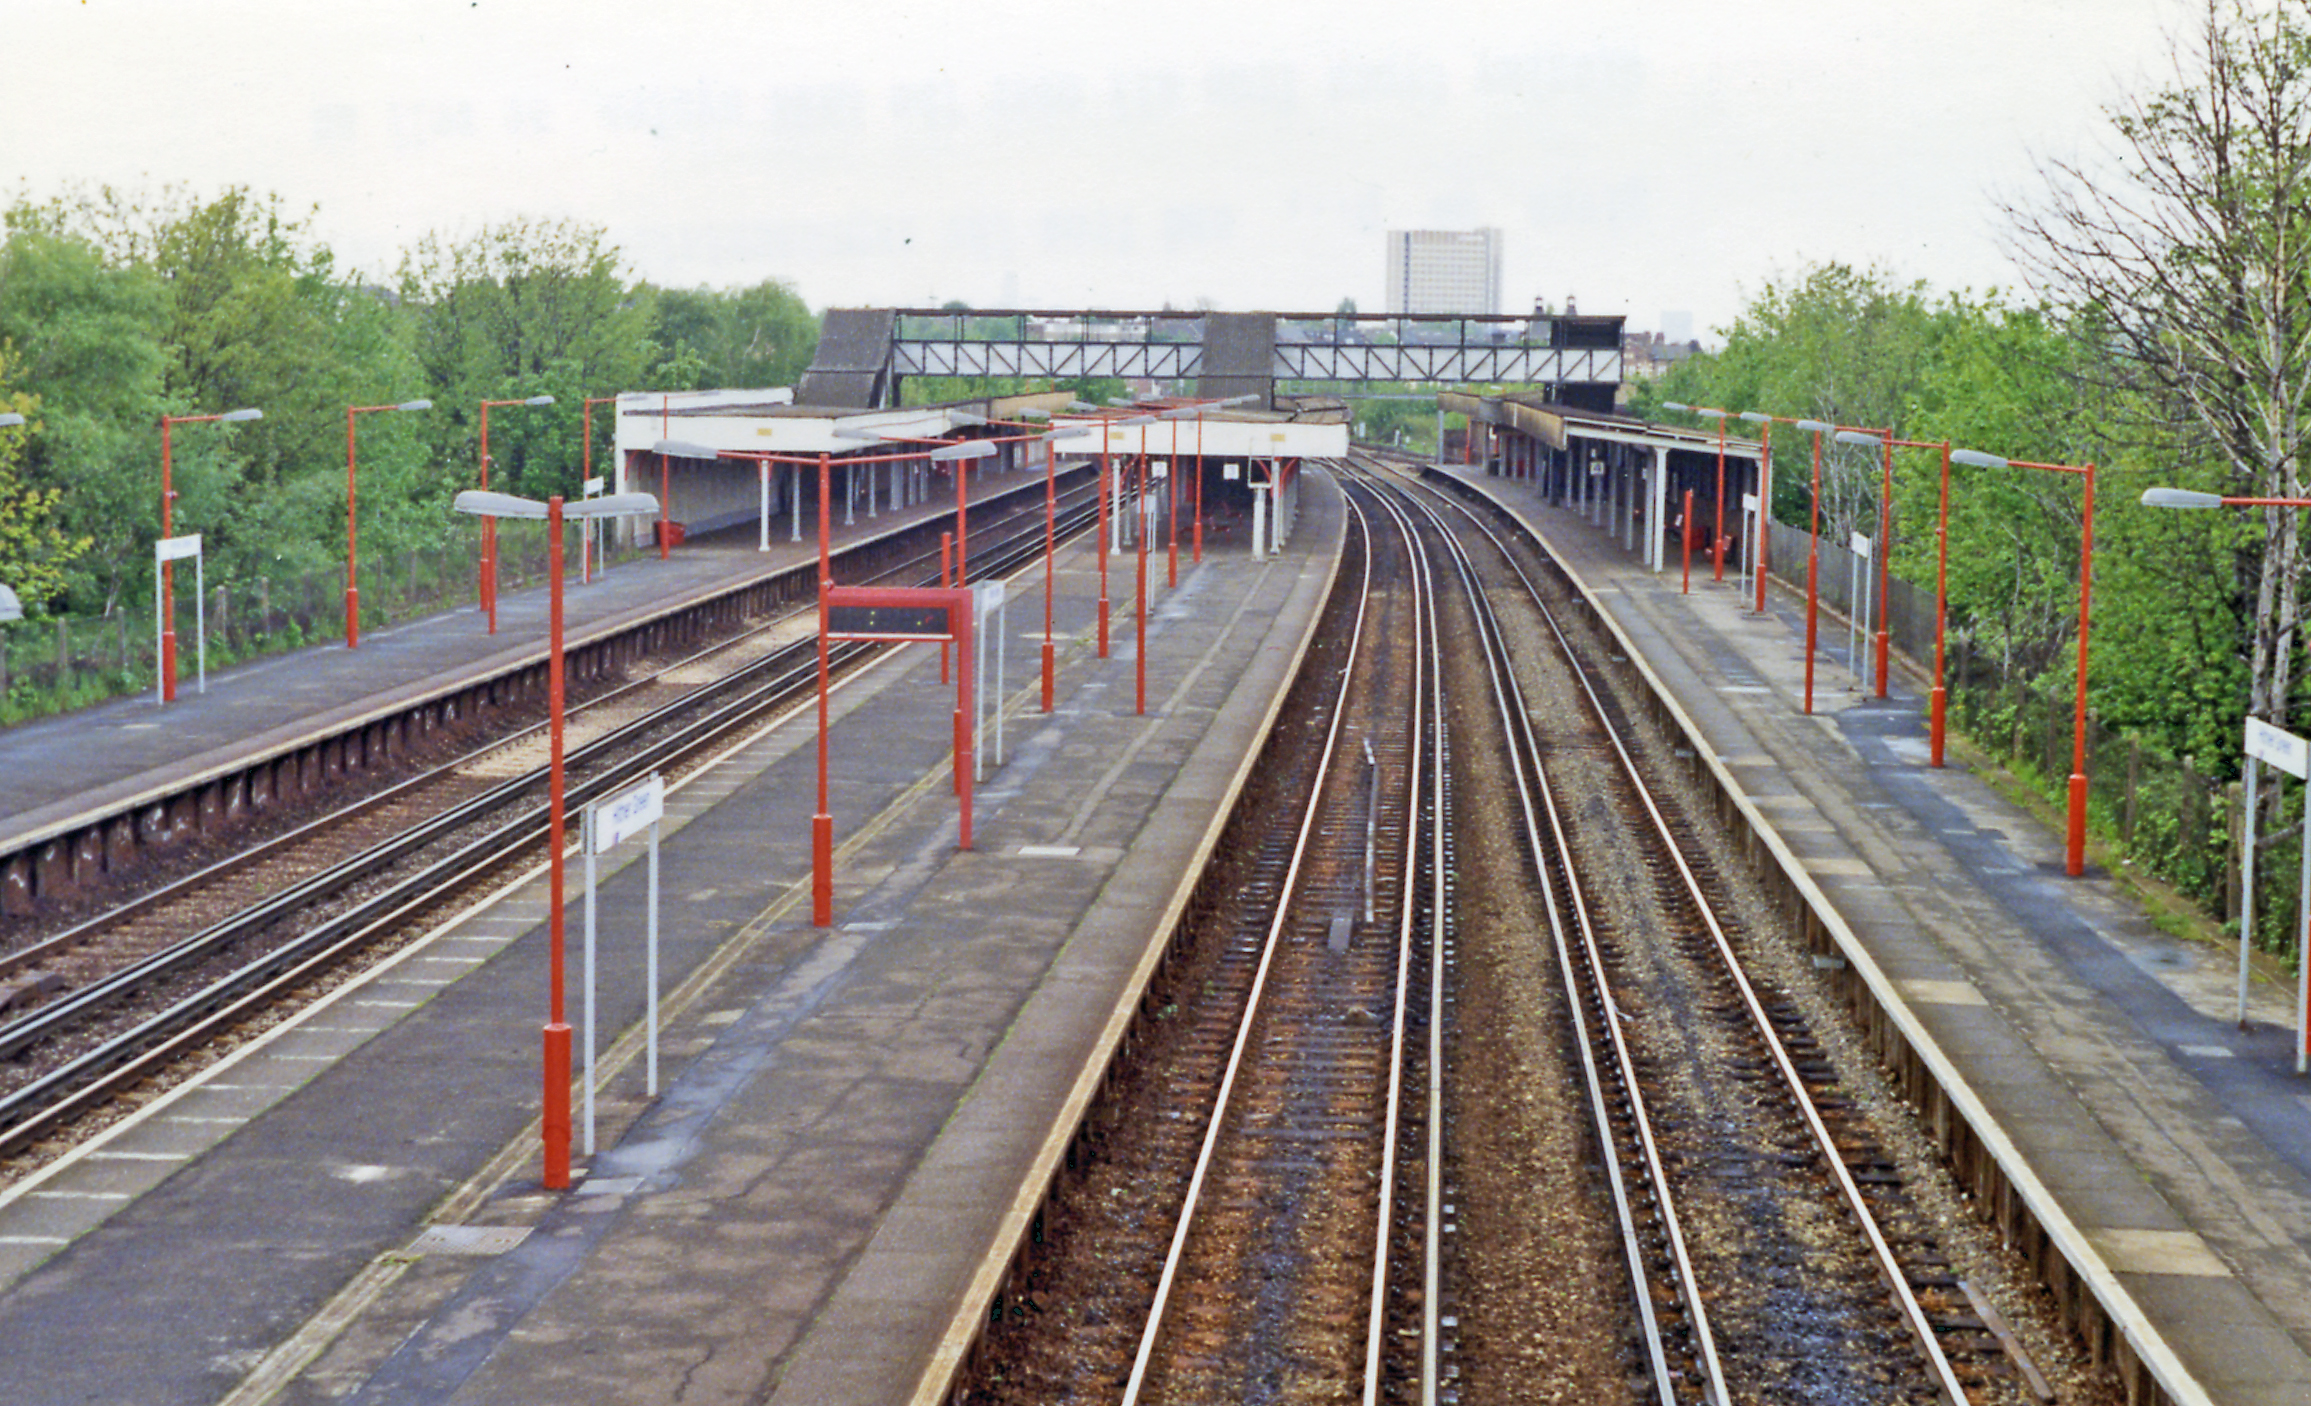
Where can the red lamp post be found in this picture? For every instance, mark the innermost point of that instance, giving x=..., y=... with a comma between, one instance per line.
x=586, y=472
x=1764, y=425
x=1139, y=613
x=1881, y=646
x=168, y=578
x=1813, y=552
x=1050, y=546
x=1105, y=482
x=489, y=524
x=1717, y=530
x=1937, y=708
x=822, y=820
x=555, y=1122
x=352, y=576
x=2076, y=854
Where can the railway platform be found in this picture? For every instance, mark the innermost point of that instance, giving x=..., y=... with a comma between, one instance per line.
x=2165, y=1152
x=109, y=755
x=851, y=1124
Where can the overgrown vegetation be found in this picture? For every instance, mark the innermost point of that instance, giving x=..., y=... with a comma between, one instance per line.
x=2164, y=337
x=117, y=308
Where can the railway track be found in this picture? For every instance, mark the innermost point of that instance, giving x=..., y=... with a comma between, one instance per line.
x=1772, y=1250
x=127, y=993
x=1283, y=1268
x=1296, y=1188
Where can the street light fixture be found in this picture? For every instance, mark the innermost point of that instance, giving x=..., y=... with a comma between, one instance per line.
x=2076, y=857
x=2189, y=498
x=1105, y=540
x=1763, y=551
x=168, y=576
x=352, y=574
x=960, y=456
x=586, y=472
x=1050, y=545
x=490, y=507
x=1882, y=640
x=489, y=524
x=1939, y=695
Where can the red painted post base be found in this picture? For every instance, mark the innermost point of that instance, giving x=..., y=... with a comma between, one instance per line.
x=168, y=666
x=1103, y=627
x=1884, y=659
x=352, y=617
x=822, y=871
x=557, y=1115
x=1049, y=674
x=1937, y=713
x=2077, y=858
x=962, y=727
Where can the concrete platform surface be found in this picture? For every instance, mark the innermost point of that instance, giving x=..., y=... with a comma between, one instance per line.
x=2178, y=1145
x=349, y=1208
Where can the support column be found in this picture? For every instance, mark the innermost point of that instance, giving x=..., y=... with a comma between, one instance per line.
x=1659, y=515
x=1635, y=471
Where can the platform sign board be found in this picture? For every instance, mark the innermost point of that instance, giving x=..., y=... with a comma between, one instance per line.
x=2282, y=749
x=628, y=814
x=2292, y=755
x=1858, y=584
x=169, y=549
x=926, y=613
x=637, y=810
x=889, y=622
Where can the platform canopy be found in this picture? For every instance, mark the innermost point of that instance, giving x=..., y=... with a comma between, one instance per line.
x=731, y=424
x=1558, y=425
x=1226, y=434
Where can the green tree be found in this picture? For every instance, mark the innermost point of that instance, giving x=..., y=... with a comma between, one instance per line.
x=523, y=308
x=2190, y=252
x=35, y=550
x=758, y=336
x=84, y=340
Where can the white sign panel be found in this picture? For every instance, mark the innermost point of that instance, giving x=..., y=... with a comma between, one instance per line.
x=1231, y=472
x=176, y=548
x=1861, y=546
x=594, y=487
x=2282, y=749
x=987, y=596
x=1749, y=502
x=624, y=816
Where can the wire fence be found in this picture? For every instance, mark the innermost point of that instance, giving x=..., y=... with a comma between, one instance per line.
x=51, y=666
x=2170, y=819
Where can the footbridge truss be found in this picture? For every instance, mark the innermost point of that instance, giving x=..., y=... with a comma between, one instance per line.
x=865, y=353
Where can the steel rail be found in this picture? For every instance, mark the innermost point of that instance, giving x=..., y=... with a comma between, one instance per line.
x=1151, y=1333
x=31, y=1111
x=1906, y=1301
x=1432, y=1201
x=1428, y=667
x=1537, y=803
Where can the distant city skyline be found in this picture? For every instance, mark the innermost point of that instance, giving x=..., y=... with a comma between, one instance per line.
x=1444, y=270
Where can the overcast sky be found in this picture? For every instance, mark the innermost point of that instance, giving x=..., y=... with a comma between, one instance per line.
x=1649, y=156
